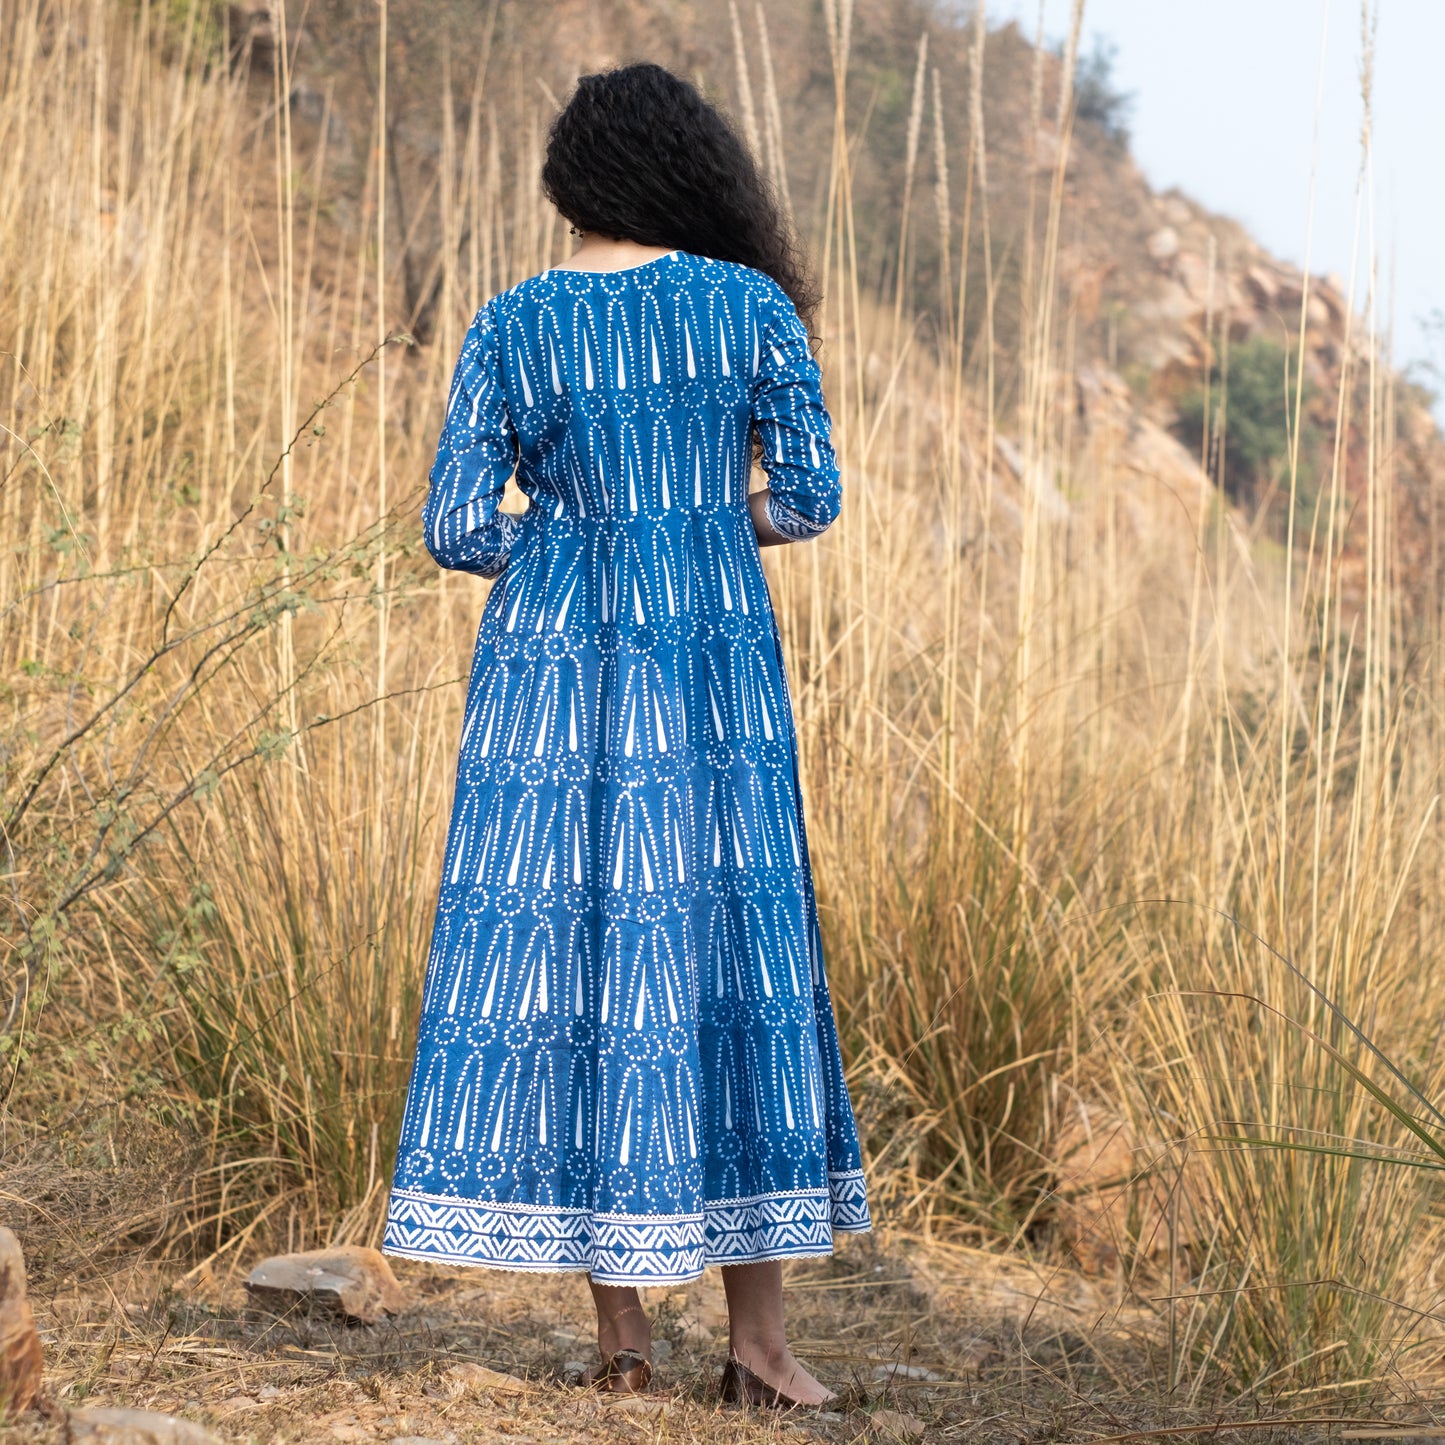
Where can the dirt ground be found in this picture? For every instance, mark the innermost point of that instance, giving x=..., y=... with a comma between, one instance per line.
x=921, y=1341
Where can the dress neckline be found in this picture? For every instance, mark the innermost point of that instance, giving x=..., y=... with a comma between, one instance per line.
x=613, y=271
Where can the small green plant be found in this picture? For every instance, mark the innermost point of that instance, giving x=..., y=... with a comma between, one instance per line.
x=1096, y=96
x=1250, y=411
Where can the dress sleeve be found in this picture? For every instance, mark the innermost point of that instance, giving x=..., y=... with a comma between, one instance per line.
x=477, y=452
x=793, y=423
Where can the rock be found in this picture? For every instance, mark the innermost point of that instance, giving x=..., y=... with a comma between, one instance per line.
x=694, y=1333
x=20, y=1362
x=1264, y=283
x=1207, y=287
x=1117, y=1194
x=134, y=1427
x=1096, y=1170
x=468, y=1378
x=891, y=1371
x=353, y=1282
x=1176, y=210
x=661, y=1351
x=899, y=1426
x=637, y=1404
x=574, y=1372
x=977, y=1357
x=1163, y=245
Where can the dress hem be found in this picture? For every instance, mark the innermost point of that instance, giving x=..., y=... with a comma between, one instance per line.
x=472, y=1261
x=622, y=1248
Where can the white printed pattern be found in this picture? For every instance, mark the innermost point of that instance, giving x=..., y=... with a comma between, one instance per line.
x=627, y=1057
x=623, y=1249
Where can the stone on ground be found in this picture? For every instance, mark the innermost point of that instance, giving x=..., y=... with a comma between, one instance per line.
x=898, y=1425
x=1119, y=1195
x=894, y=1371
x=469, y=1378
x=637, y=1404
x=349, y=1280
x=134, y=1427
x=19, y=1340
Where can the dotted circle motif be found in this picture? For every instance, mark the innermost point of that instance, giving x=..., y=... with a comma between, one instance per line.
x=626, y=715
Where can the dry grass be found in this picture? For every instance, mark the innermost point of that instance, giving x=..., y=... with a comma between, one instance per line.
x=1074, y=754
x=969, y=1344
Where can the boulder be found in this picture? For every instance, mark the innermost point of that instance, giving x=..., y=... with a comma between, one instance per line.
x=1163, y=245
x=349, y=1281
x=1120, y=1196
x=19, y=1341
x=134, y=1427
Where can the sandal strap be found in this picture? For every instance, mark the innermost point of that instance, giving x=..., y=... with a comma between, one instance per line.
x=628, y=1366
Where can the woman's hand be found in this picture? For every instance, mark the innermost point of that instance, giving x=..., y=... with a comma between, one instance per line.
x=767, y=534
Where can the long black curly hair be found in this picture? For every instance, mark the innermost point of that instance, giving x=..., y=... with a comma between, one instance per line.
x=638, y=154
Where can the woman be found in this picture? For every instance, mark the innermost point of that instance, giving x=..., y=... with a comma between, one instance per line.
x=627, y=1062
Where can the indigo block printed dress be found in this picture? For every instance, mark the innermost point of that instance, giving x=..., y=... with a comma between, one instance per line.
x=627, y=1060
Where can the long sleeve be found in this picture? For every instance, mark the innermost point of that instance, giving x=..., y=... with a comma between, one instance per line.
x=804, y=488
x=461, y=521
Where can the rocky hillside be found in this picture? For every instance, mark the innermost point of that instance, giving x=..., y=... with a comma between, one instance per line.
x=1163, y=301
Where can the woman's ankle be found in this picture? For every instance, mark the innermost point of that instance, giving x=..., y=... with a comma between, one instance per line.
x=627, y=1329
x=759, y=1351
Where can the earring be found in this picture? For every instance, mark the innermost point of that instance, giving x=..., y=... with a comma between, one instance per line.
x=575, y=231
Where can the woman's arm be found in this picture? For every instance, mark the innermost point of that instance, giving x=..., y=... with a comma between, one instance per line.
x=804, y=494
x=768, y=535
x=462, y=521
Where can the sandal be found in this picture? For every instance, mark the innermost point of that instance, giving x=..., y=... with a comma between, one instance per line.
x=740, y=1386
x=625, y=1373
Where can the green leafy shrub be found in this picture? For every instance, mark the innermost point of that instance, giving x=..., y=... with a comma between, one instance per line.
x=1248, y=414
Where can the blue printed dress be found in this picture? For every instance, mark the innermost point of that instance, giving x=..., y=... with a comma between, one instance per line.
x=627, y=1060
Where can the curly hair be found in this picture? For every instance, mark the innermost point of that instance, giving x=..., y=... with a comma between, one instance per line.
x=638, y=154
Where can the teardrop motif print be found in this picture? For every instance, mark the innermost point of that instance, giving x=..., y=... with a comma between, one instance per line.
x=627, y=1061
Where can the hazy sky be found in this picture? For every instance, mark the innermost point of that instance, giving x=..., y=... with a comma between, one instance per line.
x=1226, y=97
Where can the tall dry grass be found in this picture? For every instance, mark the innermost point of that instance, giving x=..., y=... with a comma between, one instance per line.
x=1073, y=799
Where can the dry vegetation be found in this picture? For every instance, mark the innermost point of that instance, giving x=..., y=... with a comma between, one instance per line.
x=1124, y=820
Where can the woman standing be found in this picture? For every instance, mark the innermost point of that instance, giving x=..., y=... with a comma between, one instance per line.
x=627, y=1061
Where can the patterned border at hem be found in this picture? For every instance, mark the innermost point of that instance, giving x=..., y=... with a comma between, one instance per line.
x=620, y=1249
x=599, y=1273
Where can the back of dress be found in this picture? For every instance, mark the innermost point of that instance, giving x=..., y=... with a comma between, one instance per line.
x=628, y=397
x=627, y=1060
